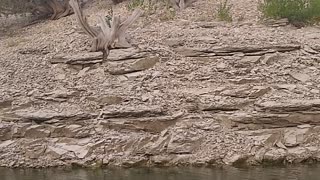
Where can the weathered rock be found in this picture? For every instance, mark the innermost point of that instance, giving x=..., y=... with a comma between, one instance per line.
x=55, y=152
x=300, y=76
x=106, y=100
x=6, y=143
x=208, y=24
x=272, y=120
x=174, y=42
x=40, y=115
x=124, y=67
x=212, y=104
x=5, y=104
x=245, y=80
x=71, y=131
x=258, y=91
x=154, y=124
x=286, y=86
x=157, y=146
x=250, y=60
x=183, y=142
x=221, y=66
x=59, y=95
x=294, y=137
x=60, y=76
x=35, y=151
x=297, y=154
x=19, y=130
x=275, y=155
x=80, y=151
x=271, y=58
x=83, y=58
x=45, y=115
x=246, y=91
x=37, y=131
x=138, y=111
x=96, y=57
x=206, y=39
x=310, y=49
x=83, y=71
x=229, y=51
x=134, y=161
x=290, y=105
x=5, y=131
x=161, y=160
x=229, y=81
x=125, y=54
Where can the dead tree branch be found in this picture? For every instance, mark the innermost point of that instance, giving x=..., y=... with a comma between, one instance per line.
x=105, y=37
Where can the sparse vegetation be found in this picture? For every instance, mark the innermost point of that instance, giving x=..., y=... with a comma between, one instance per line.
x=162, y=7
x=224, y=11
x=133, y=4
x=296, y=11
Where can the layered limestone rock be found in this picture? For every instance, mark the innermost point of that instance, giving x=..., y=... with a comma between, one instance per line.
x=189, y=92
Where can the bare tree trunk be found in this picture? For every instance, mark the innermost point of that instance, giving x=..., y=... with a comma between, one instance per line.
x=105, y=37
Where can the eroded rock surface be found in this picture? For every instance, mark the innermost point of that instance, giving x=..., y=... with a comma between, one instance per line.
x=189, y=92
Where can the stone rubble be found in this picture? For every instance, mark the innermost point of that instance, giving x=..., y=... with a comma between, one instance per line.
x=189, y=92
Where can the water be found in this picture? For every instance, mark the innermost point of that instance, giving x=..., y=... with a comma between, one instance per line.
x=260, y=173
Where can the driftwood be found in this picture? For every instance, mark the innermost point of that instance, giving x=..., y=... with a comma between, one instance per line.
x=57, y=8
x=181, y=4
x=107, y=36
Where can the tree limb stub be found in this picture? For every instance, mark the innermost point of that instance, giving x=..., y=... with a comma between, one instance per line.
x=107, y=36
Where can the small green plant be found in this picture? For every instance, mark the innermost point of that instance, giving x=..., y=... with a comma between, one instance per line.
x=296, y=11
x=133, y=4
x=224, y=11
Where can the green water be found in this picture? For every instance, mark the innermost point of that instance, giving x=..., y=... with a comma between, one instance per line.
x=261, y=173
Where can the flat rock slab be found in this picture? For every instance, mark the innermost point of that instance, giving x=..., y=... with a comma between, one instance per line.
x=149, y=124
x=81, y=58
x=96, y=57
x=43, y=115
x=290, y=105
x=303, y=77
x=138, y=111
x=129, y=66
x=272, y=120
x=229, y=51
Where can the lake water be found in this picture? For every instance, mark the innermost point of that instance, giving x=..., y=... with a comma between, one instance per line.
x=257, y=173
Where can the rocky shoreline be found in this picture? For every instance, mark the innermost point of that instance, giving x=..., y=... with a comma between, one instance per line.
x=150, y=137
x=188, y=93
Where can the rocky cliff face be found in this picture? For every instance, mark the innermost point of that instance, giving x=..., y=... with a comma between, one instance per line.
x=188, y=93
